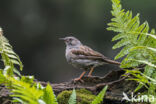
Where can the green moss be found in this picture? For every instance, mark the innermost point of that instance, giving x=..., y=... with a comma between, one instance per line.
x=83, y=96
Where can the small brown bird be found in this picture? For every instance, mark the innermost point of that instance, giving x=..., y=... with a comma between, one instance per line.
x=83, y=57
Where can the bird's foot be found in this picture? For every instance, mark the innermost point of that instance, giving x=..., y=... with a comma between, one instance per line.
x=89, y=75
x=78, y=80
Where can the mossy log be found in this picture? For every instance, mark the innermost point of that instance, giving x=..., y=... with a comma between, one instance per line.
x=117, y=84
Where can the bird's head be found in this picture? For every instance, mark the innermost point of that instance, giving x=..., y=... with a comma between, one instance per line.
x=71, y=41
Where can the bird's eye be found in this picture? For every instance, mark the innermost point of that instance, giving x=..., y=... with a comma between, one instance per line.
x=70, y=39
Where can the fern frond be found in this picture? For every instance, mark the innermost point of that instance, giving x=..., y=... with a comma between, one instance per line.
x=72, y=99
x=49, y=96
x=148, y=34
x=143, y=47
x=138, y=45
x=152, y=39
x=125, y=24
x=7, y=71
x=123, y=52
x=145, y=62
x=99, y=98
x=2, y=78
x=25, y=91
x=151, y=79
x=9, y=57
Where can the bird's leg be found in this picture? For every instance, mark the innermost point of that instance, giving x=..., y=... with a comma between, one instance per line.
x=90, y=73
x=77, y=79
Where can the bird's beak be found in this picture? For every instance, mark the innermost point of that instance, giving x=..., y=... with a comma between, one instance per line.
x=62, y=39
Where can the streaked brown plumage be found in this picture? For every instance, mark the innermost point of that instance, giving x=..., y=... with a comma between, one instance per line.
x=83, y=57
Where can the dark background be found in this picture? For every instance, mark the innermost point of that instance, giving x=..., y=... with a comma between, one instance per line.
x=34, y=26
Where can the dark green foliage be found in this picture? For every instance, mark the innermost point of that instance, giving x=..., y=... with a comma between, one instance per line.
x=24, y=92
x=2, y=78
x=138, y=45
x=49, y=96
x=131, y=34
x=72, y=99
x=9, y=57
x=99, y=98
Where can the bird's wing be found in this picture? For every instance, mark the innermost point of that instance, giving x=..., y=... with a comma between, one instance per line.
x=86, y=52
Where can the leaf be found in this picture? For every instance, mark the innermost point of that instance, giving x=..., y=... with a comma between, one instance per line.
x=123, y=52
x=72, y=99
x=8, y=71
x=41, y=101
x=2, y=78
x=138, y=87
x=138, y=46
x=151, y=35
x=25, y=91
x=28, y=79
x=16, y=72
x=129, y=31
x=99, y=98
x=9, y=57
x=18, y=100
x=143, y=47
x=121, y=43
x=49, y=96
x=146, y=62
x=119, y=36
x=131, y=22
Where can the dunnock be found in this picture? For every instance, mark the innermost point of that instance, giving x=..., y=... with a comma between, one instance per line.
x=83, y=57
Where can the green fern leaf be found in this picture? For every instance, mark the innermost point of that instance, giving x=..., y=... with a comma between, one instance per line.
x=2, y=78
x=151, y=41
x=72, y=99
x=121, y=43
x=138, y=45
x=7, y=71
x=25, y=91
x=119, y=36
x=143, y=47
x=130, y=33
x=148, y=71
x=99, y=98
x=49, y=96
x=146, y=62
x=9, y=57
x=142, y=37
x=123, y=52
x=151, y=35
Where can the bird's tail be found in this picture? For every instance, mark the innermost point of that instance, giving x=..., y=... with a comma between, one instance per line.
x=109, y=61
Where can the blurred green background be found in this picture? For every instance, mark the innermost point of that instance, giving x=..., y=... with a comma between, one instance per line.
x=34, y=26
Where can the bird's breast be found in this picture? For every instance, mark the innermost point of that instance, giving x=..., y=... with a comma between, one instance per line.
x=68, y=55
